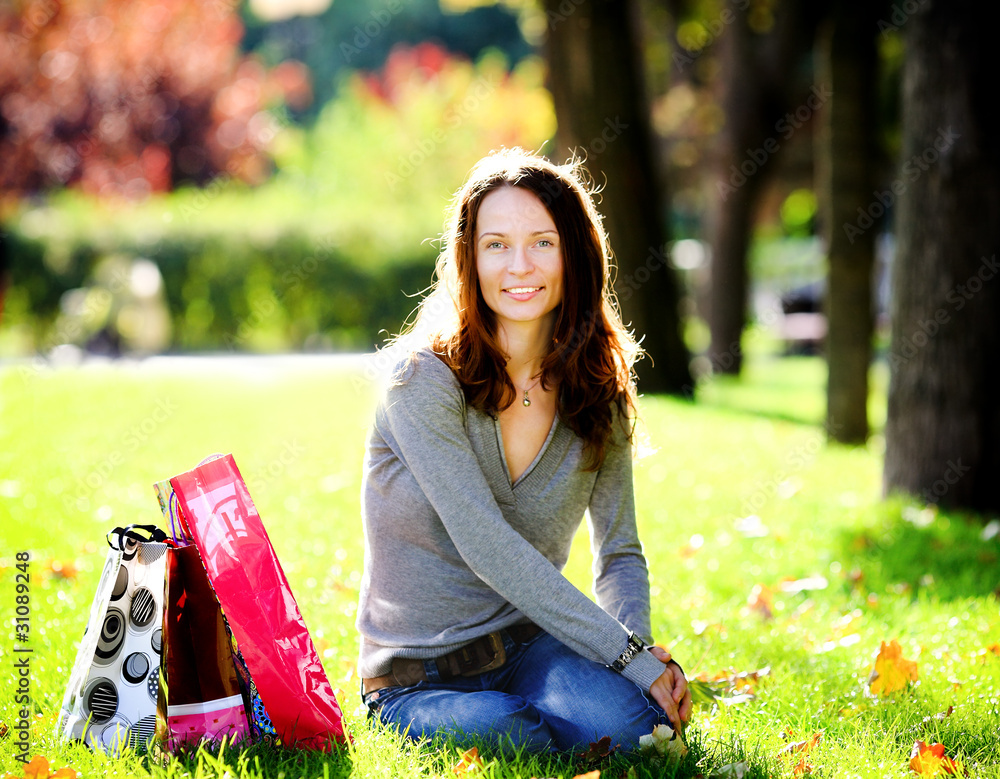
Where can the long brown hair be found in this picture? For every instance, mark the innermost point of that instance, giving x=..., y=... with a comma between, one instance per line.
x=592, y=353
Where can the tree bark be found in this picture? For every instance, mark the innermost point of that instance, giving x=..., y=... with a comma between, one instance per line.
x=943, y=426
x=847, y=64
x=596, y=74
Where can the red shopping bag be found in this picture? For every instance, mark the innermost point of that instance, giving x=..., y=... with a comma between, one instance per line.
x=220, y=516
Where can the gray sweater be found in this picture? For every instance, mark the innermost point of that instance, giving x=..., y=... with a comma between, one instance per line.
x=454, y=551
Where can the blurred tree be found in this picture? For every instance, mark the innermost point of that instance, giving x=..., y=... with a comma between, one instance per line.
x=762, y=45
x=128, y=97
x=943, y=426
x=596, y=73
x=847, y=62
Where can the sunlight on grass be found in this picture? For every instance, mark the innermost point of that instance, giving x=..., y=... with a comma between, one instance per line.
x=767, y=549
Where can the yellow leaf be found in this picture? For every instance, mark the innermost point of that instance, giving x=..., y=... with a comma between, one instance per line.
x=589, y=775
x=892, y=671
x=38, y=768
x=65, y=773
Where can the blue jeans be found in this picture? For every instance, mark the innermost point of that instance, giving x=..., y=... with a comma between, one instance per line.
x=546, y=697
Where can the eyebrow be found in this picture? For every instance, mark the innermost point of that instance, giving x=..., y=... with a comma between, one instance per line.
x=531, y=234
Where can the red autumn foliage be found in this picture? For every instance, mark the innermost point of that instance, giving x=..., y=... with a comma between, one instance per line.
x=127, y=97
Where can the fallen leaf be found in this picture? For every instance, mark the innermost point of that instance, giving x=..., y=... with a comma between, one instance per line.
x=65, y=773
x=802, y=767
x=61, y=569
x=940, y=716
x=761, y=601
x=794, y=586
x=892, y=671
x=665, y=742
x=802, y=746
x=470, y=761
x=589, y=775
x=598, y=750
x=4, y=730
x=731, y=771
x=37, y=768
x=930, y=759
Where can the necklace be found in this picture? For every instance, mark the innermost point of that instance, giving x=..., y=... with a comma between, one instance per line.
x=527, y=401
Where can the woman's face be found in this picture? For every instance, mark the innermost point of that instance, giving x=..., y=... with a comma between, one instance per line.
x=518, y=257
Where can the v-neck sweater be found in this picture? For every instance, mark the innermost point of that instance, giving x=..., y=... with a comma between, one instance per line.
x=454, y=551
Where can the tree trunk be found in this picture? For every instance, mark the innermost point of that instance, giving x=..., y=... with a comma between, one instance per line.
x=738, y=179
x=758, y=86
x=596, y=74
x=943, y=427
x=845, y=156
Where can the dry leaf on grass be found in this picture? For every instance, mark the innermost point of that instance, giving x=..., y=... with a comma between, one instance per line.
x=38, y=768
x=469, y=762
x=802, y=748
x=731, y=771
x=892, y=671
x=930, y=760
x=664, y=742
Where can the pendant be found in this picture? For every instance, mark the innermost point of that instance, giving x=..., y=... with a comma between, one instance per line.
x=526, y=401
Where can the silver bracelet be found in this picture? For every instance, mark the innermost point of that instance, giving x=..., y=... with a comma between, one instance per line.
x=634, y=647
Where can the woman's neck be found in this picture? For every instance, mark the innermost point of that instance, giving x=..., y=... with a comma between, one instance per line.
x=527, y=343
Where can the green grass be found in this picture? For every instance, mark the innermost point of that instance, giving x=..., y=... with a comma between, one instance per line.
x=80, y=448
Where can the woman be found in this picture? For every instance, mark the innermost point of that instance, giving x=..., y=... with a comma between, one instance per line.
x=488, y=447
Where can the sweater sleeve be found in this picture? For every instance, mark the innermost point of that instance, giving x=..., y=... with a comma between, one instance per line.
x=621, y=578
x=424, y=413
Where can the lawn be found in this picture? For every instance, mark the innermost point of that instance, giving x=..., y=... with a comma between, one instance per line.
x=769, y=550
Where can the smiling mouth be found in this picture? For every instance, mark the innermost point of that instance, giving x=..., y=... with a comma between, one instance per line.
x=522, y=290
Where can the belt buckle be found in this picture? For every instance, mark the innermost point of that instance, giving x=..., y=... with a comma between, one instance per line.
x=499, y=654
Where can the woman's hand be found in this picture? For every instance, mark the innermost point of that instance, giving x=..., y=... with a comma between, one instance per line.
x=670, y=690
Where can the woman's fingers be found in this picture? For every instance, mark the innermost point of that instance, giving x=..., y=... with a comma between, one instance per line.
x=662, y=692
x=660, y=653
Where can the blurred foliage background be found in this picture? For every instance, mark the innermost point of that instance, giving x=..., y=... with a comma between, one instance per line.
x=271, y=175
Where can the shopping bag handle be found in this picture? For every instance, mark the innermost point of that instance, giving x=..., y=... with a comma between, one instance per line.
x=142, y=533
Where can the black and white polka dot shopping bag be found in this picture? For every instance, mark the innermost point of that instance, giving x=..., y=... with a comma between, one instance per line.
x=110, y=701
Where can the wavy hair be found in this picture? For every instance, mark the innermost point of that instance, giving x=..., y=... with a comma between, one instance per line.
x=591, y=355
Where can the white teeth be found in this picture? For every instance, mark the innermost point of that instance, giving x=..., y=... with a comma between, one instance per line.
x=522, y=290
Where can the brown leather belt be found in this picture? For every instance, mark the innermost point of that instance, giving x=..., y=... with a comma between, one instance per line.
x=483, y=654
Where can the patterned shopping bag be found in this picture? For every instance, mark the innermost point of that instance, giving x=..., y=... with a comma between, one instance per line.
x=110, y=700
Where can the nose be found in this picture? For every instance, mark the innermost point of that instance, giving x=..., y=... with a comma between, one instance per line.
x=520, y=264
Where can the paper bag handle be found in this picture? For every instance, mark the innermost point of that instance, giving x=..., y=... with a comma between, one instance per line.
x=142, y=533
